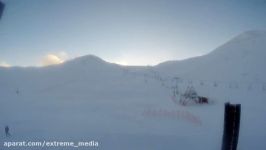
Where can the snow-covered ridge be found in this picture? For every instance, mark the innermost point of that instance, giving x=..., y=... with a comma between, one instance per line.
x=87, y=59
x=240, y=59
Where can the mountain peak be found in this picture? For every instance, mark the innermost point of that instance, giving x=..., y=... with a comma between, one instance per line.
x=87, y=59
x=252, y=41
x=254, y=32
x=90, y=57
x=240, y=59
x=250, y=34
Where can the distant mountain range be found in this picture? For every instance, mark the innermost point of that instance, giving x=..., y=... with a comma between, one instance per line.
x=242, y=59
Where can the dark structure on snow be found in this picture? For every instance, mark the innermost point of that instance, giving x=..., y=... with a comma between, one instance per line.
x=7, y=131
x=2, y=6
x=191, y=97
x=231, y=126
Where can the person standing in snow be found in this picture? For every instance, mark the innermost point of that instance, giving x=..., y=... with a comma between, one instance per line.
x=7, y=131
x=17, y=91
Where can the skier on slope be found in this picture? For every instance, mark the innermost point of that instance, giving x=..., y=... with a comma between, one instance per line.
x=7, y=131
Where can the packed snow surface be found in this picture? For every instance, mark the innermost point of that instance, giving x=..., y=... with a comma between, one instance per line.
x=132, y=107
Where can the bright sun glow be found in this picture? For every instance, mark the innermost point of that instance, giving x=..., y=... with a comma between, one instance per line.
x=4, y=64
x=124, y=63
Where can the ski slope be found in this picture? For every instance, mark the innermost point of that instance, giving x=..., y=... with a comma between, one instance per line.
x=131, y=107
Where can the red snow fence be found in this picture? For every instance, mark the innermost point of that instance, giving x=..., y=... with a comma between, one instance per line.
x=173, y=114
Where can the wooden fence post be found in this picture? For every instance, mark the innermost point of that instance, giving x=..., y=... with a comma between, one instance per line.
x=231, y=126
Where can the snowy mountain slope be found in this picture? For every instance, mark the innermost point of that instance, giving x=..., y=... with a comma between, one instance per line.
x=240, y=59
x=87, y=69
x=126, y=107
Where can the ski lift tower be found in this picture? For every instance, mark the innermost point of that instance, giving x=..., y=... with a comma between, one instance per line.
x=189, y=97
x=175, y=87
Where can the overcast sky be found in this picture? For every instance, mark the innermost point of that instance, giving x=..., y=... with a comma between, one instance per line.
x=132, y=32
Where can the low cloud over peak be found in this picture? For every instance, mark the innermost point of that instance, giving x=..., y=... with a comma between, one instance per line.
x=51, y=59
